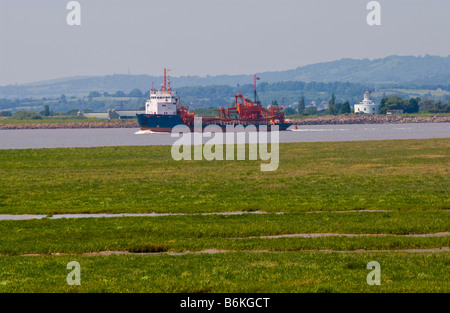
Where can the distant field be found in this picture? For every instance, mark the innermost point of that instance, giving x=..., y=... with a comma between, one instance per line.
x=415, y=92
x=344, y=204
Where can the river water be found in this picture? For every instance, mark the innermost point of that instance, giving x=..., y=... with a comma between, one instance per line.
x=96, y=137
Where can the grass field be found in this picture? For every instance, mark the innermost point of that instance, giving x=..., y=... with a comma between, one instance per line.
x=344, y=204
x=196, y=233
x=417, y=92
x=229, y=272
x=396, y=175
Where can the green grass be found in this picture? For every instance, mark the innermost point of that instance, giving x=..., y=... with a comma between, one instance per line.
x=290, y=272
x=409, y=178
x=200, y=232
x=390, y=175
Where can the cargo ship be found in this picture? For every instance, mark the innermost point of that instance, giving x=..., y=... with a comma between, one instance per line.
x=163, y=111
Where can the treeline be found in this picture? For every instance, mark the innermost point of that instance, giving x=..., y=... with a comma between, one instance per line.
x=286, y=93
x=413, y=105
x=397, y=103
x=72, y=105
x=135, y=93
x=316, y=98
x=391, y=102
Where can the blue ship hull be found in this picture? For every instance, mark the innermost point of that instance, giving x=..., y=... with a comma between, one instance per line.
x=158, y=122
x=165, y=123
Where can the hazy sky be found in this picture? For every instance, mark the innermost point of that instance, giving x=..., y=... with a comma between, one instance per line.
x=200, y=37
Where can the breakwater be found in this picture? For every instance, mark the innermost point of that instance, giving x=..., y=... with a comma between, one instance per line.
x=369, y=119
x=317, y=120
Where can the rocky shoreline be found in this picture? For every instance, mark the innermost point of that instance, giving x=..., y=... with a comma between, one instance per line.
x=370, y=119
x=319, y=120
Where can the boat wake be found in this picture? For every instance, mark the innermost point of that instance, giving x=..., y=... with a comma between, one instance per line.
x=149, y=132
x=320, y=129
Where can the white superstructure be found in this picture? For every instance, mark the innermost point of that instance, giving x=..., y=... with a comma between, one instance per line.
x=162, y=101
x=367, y=106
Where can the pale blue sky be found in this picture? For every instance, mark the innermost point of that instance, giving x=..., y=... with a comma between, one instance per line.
x=201, y=37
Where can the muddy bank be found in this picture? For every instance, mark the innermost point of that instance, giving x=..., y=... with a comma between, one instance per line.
x=21, y=217
x=320, y=120
x=215, y=251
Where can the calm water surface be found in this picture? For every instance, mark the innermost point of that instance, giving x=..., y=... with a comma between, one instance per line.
x=97, y=137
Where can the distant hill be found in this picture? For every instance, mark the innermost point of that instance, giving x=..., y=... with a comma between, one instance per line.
x=378, y=72
x=392, y=69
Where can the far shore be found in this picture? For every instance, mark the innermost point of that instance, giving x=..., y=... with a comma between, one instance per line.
x=369, y=119
x=317, y=120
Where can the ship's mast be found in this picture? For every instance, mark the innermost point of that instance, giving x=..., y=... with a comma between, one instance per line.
x=254, y=88
x=166, y=80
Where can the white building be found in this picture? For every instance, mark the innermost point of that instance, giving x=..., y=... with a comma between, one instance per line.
x=367, y=106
